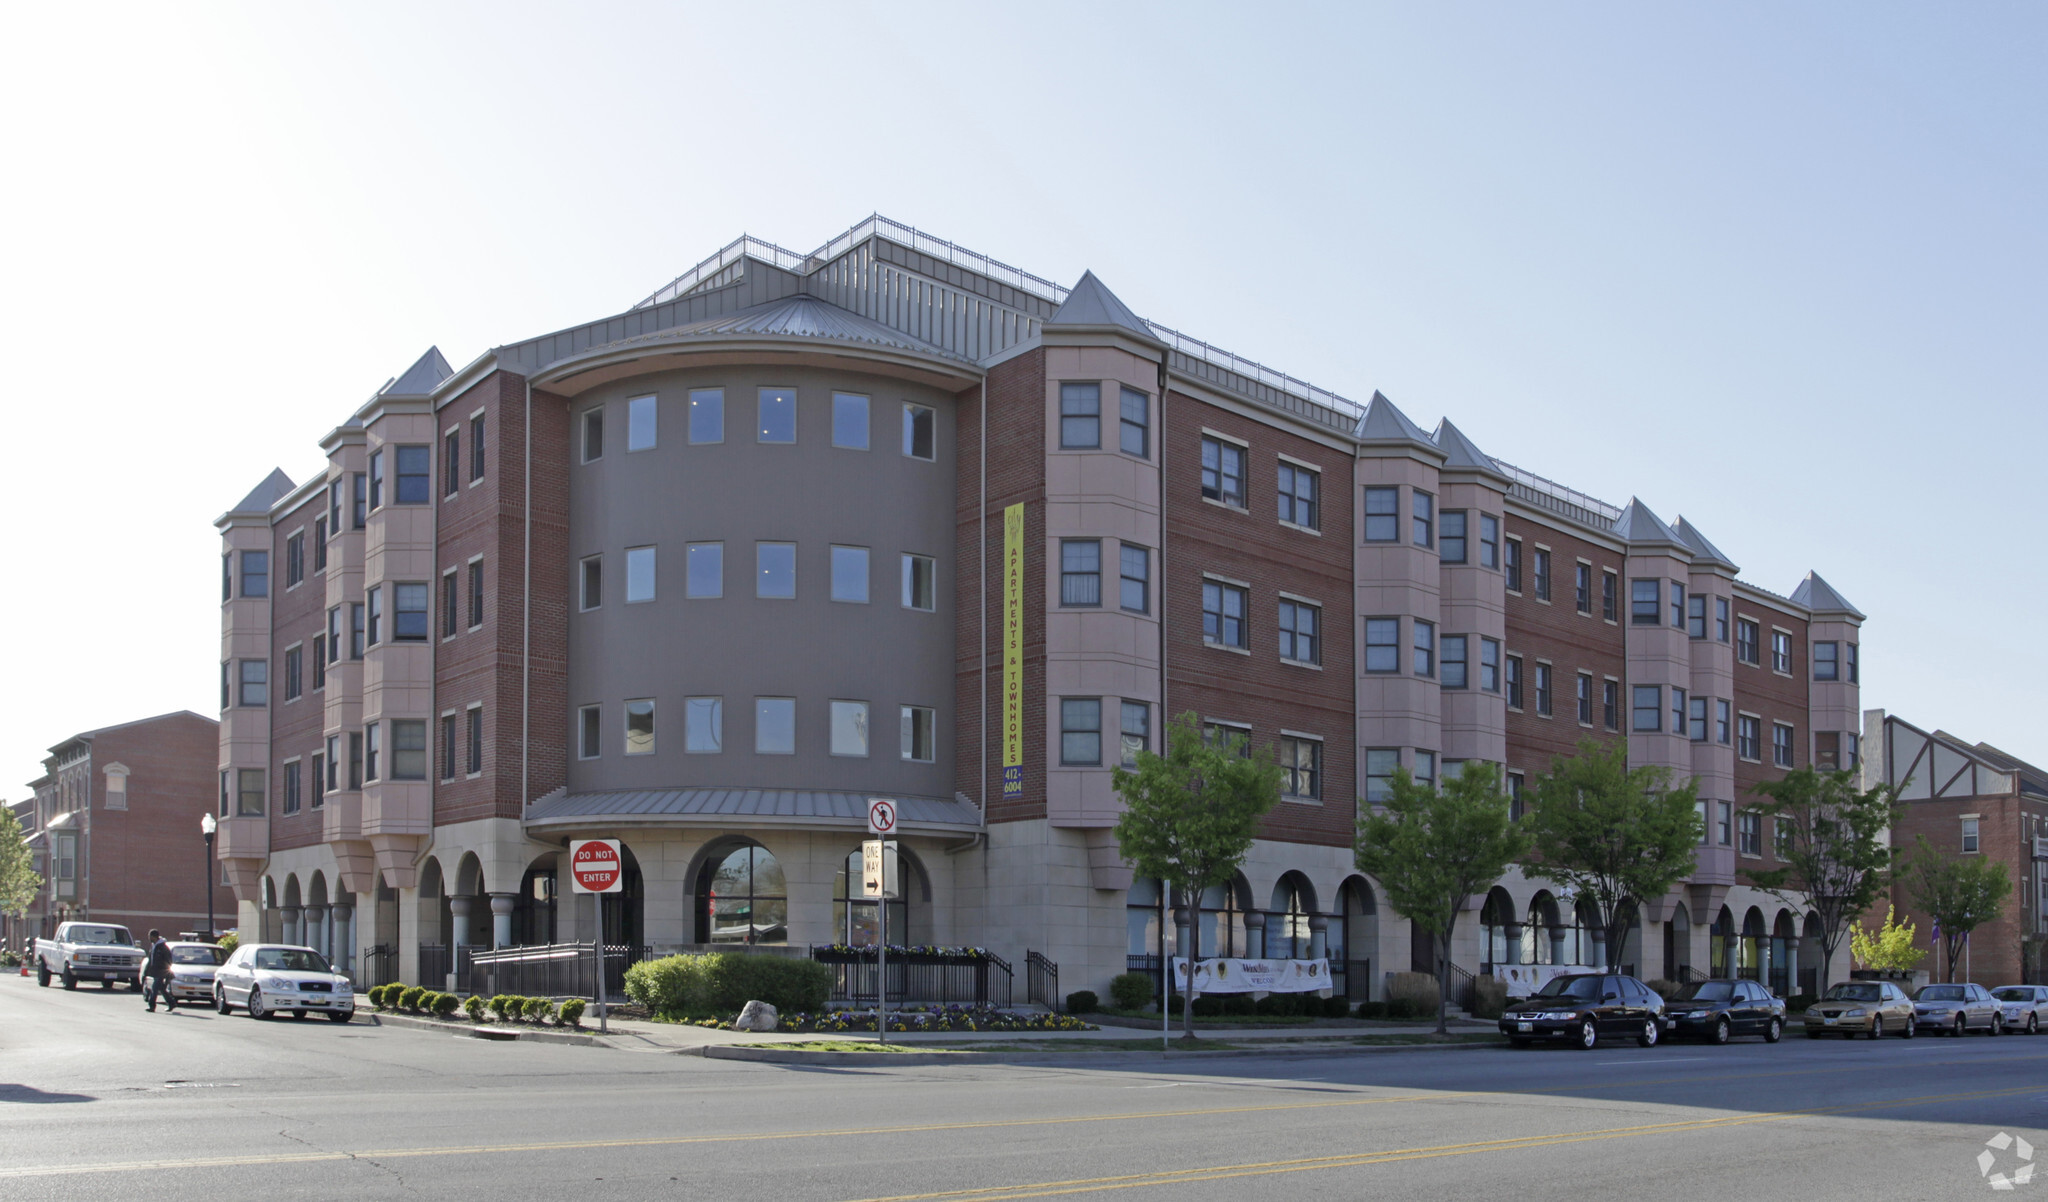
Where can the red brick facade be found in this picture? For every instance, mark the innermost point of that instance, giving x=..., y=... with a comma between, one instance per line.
x=1571, y=641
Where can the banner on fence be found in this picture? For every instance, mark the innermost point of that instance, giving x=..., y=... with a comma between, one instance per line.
x=1254, y=976
x=1525, y=979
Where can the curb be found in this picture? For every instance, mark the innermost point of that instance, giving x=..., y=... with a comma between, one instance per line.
x=875, y=1059
x=505, y=1033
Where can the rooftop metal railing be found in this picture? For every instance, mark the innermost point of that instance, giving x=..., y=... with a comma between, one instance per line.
x=1346, y=411
x=1552, y=489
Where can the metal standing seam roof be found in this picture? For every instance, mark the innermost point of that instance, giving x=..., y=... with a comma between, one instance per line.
x=790, y=804
x=793, y=317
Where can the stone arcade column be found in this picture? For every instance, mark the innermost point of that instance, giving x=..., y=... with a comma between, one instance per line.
x=342, y=938
x=1255, y=935
x=501, y=919
x=315, y=928
x=288, y=932
x=458, y=912
x=1318, y=936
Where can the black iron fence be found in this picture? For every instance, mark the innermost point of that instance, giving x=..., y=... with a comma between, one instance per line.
x=545, y=970
x=435, y=964
x=1041, y=981
x=1352, y=979
x=917, y=977
x=1464, y=988
x=380, y=966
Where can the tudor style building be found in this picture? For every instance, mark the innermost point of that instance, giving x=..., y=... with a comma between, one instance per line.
x=893, y=519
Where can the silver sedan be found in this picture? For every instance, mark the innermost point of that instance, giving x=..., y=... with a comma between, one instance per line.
x=1954, y=1009
x=2025, y=1007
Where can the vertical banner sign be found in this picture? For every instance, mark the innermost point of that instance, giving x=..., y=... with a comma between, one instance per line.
x=1013, y=652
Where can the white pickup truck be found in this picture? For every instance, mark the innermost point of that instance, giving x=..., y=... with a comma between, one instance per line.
x=90, y=951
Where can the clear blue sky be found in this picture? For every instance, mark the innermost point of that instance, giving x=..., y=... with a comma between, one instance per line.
x=1776, y=267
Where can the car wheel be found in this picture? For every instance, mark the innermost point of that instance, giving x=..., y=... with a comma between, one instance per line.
x=106, y=982
x=1774, y=1031
x=1997, y=1025
x=43, y=975
x=2033, y=1024
x=1912, y=1029
x=256, y=1009
x=1648, y=1039
x=1959, y=1027
x=1721, y=1031
x=1877, y=1026
x=220, y=1000
x=340, y=1016
x=1589, y=1035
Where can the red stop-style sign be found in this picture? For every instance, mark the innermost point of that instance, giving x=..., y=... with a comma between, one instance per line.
x=596, y=866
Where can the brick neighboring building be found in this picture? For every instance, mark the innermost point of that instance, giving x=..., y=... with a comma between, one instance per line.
x=706, y=574
x=1971, y=799
x=113, y=827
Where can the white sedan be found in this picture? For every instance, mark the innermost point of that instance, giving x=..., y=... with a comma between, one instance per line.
x=267, y=979
x=192, y=969
x=2025, y=1007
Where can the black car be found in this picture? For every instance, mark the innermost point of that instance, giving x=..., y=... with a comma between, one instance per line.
x=1720, y=1008
x=1583, y=1008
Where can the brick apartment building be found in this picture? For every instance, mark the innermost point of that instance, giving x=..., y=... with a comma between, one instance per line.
x=1970, y=799
x=893, y=519
x=113, y=827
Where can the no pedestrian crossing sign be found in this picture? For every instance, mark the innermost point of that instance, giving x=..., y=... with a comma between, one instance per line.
x=596, y=865
x=881, y=816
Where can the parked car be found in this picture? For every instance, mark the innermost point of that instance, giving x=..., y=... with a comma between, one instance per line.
x=1954, y=1009
x=2024, y=1007
x=90, y=951
x=1583, y=1008
x=1721, y=1008
x=192, y=969
x=267, y=979
x=1852, y=1008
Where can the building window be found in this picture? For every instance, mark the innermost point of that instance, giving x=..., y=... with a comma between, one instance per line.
x=1489, y=541
x=1585, y=698
x=294, y=559
x=707, y=415
x=1514, y=565
x=1080, y=416
x=359, y=501
x=1849, y=661
x=1970, y=841
x=775, y=570
x=704, y=570
x=1383, y=644
x=476, y=448
x=1609, y=589
x=1678, y=606
x=1722, y=810
x=1514, y=682
x=1648, y=712
x=1825, y=666
x=1518, y=804
x=319, y=778
x=917, y=724
x=1582, y=588
x=255, y=575
x=1782, y=833
x=1300, y=490
x=1456, y=667
x=1696, y=719
x=1781, y=745
x=1223, y=615
x=1696, y=616
x=1489, y=665
x=1781, y=652
x=1134, y=588
x=777, y=408
x=1721, y=722
x=1380, y=763
x=1423, y=662
x=850, y=574
x=1750, y=831
x=1422, y=519
x=476, y=593
x=1678, y=710
x=415, y=474
x=919, y=439
x=320, y=544
x=376, y=480
x=1451, y=547
x=1749, y=738
x=408, y=749
x=451, y=605
x=1300, y=624
x=249, y=792
x=589, y=734
x=319, y=662
x=1720, y=619
x=1382, y=515
x=293, y=672
x=291, y=787
x=1223, y=472
x=1135, y=433
x=334, y=507
x=1539, y=573
x=1425, y=769
x=703, y=725
x=1610, y=704
x=355, y=759
x=451, y=463
x=1080, y=571
x=640, y=570
x=476, y=739
x=1746, y=641
x=1543, y=690
x=1301, y=768
x=919, y=577
x=448, y=746
x=1136, y=726
x=774, y=726
x=375, y=598
x=643, y=417
x=640, y=726
x=1644, y=601
x=255, y=682
x=409, y=616
x=849, y=728
x=1851, y=750
x=1081, y=730
x=850, y=421
x=373, y=749
x=590, y=593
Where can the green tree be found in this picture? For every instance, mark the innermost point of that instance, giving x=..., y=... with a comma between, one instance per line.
x=19, y=882
x=1433, y=850
x=1959, y=893
x=1834, y=844
x=1890, y=948
x=1191, y=815
x=1616, y=836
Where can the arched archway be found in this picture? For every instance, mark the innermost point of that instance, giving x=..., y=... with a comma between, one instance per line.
x=856, y=920
x=434, y=957
x=1721, y=944
x=270, y=927
x=1290, y=922
x=742, y=895
x=1357, y=938
x=1223, y=932
x=1544, y=932
x=1811, y=962
x=1678, y=944
x=1749, y=950
x=1500, y=934
x=1589, y=940
x=533, y=907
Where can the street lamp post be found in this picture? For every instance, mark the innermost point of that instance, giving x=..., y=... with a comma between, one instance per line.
x=207, y=826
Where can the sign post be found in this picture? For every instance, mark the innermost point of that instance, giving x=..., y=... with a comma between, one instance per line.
x=877, y=858
x=597, y=866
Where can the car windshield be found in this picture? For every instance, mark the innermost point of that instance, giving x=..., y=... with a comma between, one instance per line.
x=197, y=955
x=291, y=959
x=1853, y=993
x=1572, y=987
x=1942, y=993
x=2014, y=993
x=117, y=936
x=1706, y=991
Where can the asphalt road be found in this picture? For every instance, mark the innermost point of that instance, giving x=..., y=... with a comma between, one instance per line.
x=99, y=1099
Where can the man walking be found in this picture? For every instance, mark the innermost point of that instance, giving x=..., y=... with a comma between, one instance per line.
x=157, y=974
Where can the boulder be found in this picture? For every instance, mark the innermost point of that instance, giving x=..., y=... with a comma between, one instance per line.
x=756, y=1016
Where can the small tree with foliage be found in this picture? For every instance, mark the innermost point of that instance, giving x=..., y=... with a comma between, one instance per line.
x=1616, y=836
x=1433, y=850
x=1833, y=842
x=1888, y=949
x=1191, y=815
x=19, y=881
x=1959, y=893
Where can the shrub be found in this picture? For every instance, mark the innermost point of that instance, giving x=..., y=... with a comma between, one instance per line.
x=474, y=1006
x=724, y=982
x=1372, y=1010
x=1083, y=1001
x=537, y=1008
x=1176, y=1003
x=498, y=1005
x=410, y=999
x=376, y=995
x=1131, y=990
x=1238, y=1005
x=1208, y=1005
x=445, y=1004
x=1419, y=988
x=572, y=1012
x=1336, y=1006
x=1401, y=1007
x=1489, y=998
x=229, y=942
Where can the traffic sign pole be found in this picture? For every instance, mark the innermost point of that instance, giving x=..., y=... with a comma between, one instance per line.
x=597, y=866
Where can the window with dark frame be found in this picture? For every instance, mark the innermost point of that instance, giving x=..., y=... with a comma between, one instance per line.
x=1489, y=541
x=1647, y=714
x=1453, y=666
x=1582, y=588
x=294, y=559
x=1380, y=765
x=373, y=747
x=1749, y=833
x=1300, y=632
x=1080, y=571
x=1383, y=644
x=1722, y=709
x=415, y=476
x=319, y=778
x=1451, y=536
x=1678, y=710
x=589, y=732
x=1696, y=616
x=334, y=507
x=360, y=500
x=919, y=439
x=1539, y=572
x=1081, y=731
x=355, y=630
x=1134, y=583
x=294, y=660
x=1223, y=615
x=1749, y=737
x=376, y=480
x=1514, y=565
x=1610, y=587
x=1299, y=491
x=1136, y=726
x=1720, y=619
x=1080, y=417
x=451, y=605
x=1585, y=698
x=589, y=586
x=255, y=574
x=1678, y=605
x=1645, y=602
x=291, y=787
x=1382, y=515
x=1746, y=640
x=1422, y=518
x=1223, y=472
x=476, y=739
x=1610, y=704
x=1134, y=424
x=1423, y=661
x=1543, y=690
x=476, y=593
x=451, y=463
x=593, y=434
x=476, y=448
x=1781, y=745
x=1489, y=665
x=1515, y=682
x=1696, y=719
x=1301, y=767
x=320, y=544
x=1825, y=666
x=1781, y=652
x=448, y=746
x=408, y=749
x=319, y=662
x=375, y=633
x=410, y=621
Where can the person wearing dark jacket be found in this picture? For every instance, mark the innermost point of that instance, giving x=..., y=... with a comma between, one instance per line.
x=156, y=976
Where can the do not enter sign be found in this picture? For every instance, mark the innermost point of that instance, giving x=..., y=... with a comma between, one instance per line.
x=596, y=866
